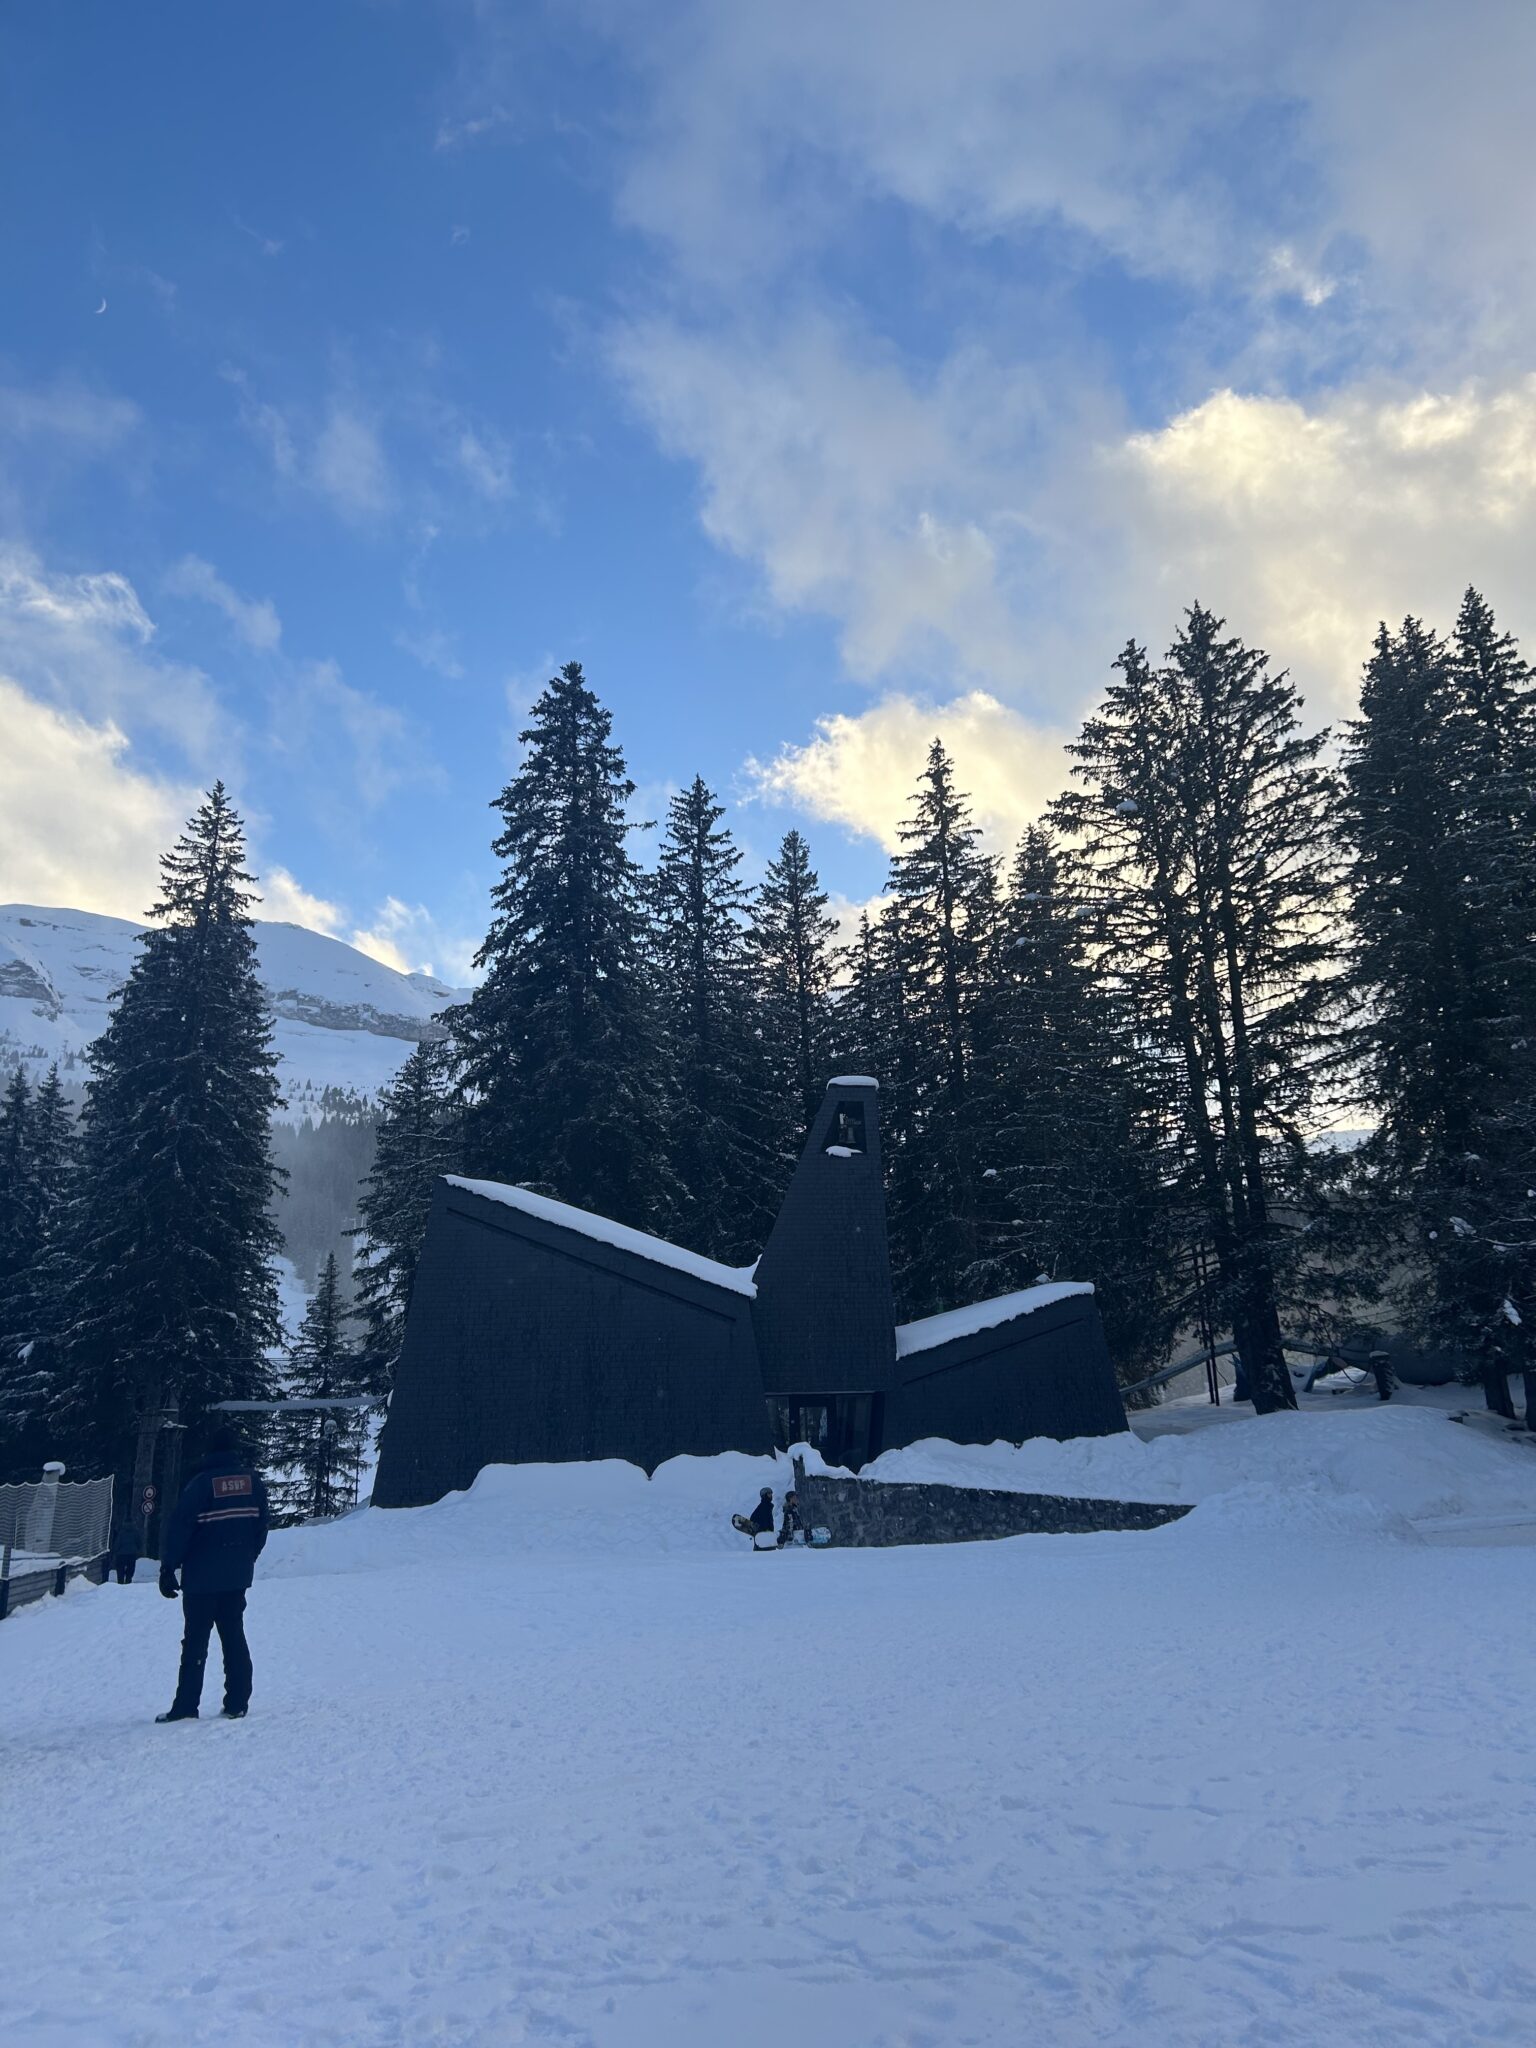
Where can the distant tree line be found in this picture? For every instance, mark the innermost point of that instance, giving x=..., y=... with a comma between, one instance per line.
x=1108, y=1056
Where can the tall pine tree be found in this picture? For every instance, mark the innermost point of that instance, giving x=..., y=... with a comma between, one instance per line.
x=417, y=1139
x=1205, y=823
x=722, y=1123
x=316, y=1453
x=170, y=1288
x=15, y=1133
x=561, y=1066
x=1075, y=1137
x=36, y=1152
x=1441, y=816
x=941, y=925
x=791, y=938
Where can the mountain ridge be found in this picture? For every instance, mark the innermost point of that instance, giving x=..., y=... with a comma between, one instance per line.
x=342, y=1020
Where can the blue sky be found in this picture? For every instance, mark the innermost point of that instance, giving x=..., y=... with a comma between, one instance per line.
x=820, y=376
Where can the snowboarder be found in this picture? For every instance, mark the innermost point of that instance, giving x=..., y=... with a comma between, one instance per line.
x=125, y=1553
x=791, y=1525
x=760, y=1521
x=215, y=1538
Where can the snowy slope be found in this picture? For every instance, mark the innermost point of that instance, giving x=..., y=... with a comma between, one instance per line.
x=343, y=1020
x=1409, y=1459
x=559, y=1760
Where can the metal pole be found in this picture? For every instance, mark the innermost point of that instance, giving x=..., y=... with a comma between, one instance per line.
x=175, y=1433
x=151, y=1415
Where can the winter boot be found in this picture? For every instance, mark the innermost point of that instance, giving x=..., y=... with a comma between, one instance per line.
x=179, y=1714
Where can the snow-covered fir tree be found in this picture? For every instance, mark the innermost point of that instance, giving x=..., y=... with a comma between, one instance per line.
x=721, y=1148
x=791, y=938
x=417, y=1139
x=562, y=1073
x=1441, y=816
x=1206, y=827
x=169, y=1288
x=36, y=1151
x=315, y=1453
x=15, y=1121
x=873, y=1033
x=1075, y=1137
x=942, y=930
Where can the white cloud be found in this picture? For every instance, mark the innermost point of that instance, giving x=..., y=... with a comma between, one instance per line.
x=80, y=825
x=269, y=245
x=407, y=937
x=1289, y=274
x=860, y=771
x=1183, y=140
x=1309, y=523
x=434, y=650
x=349, y=466
x=894, y=509
x=69, y=603
x=339, y=456
x=485, y=461
x=286, y=901
x=68, y=412
x=321, y=719
x=83, y=642
x=957, y=542
x=769, y=126
x=454, y=133
x=255, y=620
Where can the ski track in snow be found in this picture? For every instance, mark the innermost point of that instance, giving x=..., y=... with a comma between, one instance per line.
x=524, y=1773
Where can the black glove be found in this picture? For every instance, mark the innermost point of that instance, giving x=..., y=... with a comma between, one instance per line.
x=168, y=1585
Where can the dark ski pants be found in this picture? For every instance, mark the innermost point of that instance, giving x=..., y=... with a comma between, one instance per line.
x=124, y=1574
x=202, y=1614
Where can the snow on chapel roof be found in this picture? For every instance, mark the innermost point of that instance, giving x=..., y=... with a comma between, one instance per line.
x=983, y=1315
x=853, y=1081
x=640, y=1242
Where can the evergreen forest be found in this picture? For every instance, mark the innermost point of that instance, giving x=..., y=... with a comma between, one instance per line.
x=1243, y=1030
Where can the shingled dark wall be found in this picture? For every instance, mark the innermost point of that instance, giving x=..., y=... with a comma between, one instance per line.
x=528, y=1342
x=1044, y=1374
x=824, y=1314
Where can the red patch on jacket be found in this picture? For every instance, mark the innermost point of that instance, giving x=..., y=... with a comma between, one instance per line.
x=227, y=1483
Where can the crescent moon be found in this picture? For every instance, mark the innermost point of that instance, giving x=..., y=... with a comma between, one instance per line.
x=102, y=307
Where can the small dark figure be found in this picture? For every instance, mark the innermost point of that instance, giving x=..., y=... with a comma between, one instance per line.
x=125, y=1553
x=760, y=1521
x=214, y=1539
x=791, y=1525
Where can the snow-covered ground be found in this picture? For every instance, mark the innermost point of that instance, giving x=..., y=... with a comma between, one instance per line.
x=559, y=1760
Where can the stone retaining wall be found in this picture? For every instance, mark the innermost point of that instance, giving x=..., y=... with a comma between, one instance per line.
x=860, y=1514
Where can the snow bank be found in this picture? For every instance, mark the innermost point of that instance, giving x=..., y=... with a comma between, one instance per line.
x=1408, y=1460
x=580, y=1510
x=1311, y=1513
x=1353, y=1477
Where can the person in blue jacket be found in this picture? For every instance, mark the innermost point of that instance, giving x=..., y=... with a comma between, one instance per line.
x=215, y=1536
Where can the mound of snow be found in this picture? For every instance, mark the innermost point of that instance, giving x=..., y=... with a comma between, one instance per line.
x=578, y=1510
x=1352, y=1477
x=1406, y=1459
x=1314, y=1514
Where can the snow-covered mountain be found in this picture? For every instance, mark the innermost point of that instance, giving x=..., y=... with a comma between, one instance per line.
x=343, y=1020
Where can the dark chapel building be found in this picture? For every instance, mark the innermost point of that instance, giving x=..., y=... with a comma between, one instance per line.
x=539, y=1332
